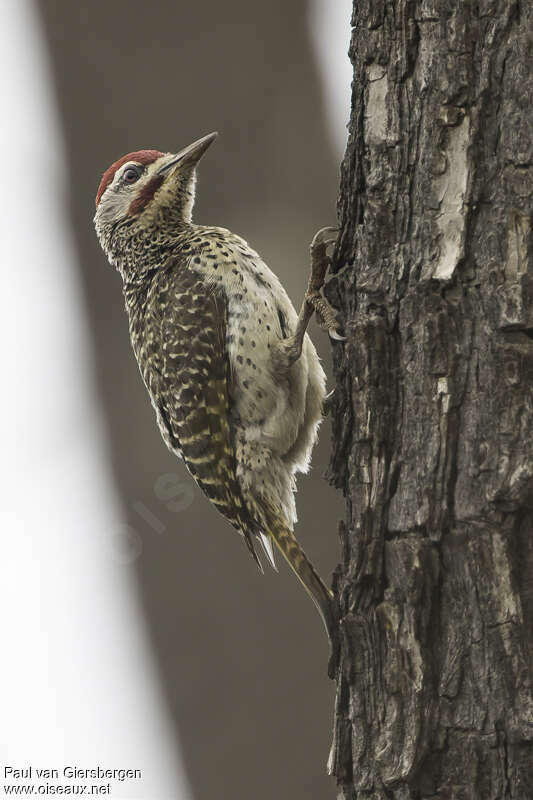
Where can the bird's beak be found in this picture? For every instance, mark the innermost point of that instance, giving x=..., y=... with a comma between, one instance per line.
x=190, y=154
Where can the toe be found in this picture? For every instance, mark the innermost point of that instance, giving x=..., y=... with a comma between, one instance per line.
x=325, y=237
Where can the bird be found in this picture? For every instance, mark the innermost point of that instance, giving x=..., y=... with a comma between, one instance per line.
x=235, y=381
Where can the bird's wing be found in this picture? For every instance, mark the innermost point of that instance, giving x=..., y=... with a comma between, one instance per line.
x=193, y=373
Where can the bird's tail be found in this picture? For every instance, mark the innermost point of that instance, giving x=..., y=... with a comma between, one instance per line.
x=315, y=587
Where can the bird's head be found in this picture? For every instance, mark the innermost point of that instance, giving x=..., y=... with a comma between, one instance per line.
x=146, y=191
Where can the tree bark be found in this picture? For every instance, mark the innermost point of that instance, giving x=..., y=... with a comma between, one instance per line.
x=433, y=407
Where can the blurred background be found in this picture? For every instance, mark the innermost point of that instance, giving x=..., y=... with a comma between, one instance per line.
x=138, y=632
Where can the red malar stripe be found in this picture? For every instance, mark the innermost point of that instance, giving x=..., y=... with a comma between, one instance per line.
x=146, y=194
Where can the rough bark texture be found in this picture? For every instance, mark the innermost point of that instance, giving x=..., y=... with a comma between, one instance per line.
x=433, y=411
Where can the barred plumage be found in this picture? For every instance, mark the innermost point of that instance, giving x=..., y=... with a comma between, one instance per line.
x=235, y=382
x=178, y=331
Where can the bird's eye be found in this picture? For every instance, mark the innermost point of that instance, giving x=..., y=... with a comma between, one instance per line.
x=131, y=175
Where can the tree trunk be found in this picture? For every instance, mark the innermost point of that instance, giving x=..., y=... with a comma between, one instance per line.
x=433, y=408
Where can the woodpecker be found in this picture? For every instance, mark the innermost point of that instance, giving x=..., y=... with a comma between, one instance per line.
x=234, y=379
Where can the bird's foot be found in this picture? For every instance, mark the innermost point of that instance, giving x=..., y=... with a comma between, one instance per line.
x=320, y=261
x=289, y=350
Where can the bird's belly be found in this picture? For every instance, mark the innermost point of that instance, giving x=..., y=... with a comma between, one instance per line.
x=267, y=407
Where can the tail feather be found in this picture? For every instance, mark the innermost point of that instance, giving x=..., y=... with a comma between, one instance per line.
x=266, y=541
x=319, y=593
x=272, y=527
x=248, y=538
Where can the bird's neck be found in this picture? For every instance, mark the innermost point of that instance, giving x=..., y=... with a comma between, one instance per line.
x=138, y=253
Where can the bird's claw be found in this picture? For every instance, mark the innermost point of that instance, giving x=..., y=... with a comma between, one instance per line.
x=324, y=237
x=320, y=262
x=326, y=316
x=327, y=403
